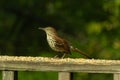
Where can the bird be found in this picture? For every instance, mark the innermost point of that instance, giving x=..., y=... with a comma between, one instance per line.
x=59, y=44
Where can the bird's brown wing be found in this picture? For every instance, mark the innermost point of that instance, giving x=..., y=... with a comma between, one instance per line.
x=63, y=45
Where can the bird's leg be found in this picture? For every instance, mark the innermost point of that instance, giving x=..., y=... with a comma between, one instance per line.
x=63, y=55
x=58, y=55
x=55, y=56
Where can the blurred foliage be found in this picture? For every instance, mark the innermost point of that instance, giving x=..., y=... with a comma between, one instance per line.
x=93, y=26
x=37, y=75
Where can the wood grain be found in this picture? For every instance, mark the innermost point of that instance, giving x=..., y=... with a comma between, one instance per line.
x=52, y=64
x=11, y=64
x=9, y=75
x=64, y=76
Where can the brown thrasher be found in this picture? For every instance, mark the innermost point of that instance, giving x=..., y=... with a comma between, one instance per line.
x=59, y=44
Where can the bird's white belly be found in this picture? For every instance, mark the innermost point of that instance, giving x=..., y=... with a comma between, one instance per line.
x=52, y=43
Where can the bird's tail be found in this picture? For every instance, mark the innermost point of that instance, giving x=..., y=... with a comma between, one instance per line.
x=79, y=51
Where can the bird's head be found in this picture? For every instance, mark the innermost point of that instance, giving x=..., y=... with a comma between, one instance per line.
x=48, y=30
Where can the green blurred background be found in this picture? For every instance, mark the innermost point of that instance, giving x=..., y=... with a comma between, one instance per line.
x=91, y=25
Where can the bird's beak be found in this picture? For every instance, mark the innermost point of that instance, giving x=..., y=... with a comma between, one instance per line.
x=41, y=28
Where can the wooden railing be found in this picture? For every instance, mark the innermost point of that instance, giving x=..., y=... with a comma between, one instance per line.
x=9, y=65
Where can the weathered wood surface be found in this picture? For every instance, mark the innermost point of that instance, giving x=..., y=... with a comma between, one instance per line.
x=52, y=64
x=64, y=76
x=9, y=75
x=117, y=76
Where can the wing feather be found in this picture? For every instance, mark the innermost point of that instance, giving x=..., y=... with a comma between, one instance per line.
x=63, y=45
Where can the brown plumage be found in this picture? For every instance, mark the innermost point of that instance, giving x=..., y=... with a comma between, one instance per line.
x=59, y=44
